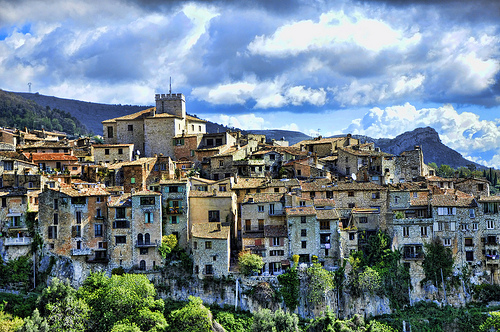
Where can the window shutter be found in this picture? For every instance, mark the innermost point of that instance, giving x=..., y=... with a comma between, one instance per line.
x=258, y=242
x=454, y=211
x=436, y=226
x=271, y=241
x=452, y=226
x=282, y=241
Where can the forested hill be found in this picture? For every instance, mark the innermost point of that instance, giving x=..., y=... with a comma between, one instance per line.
x=18, y=112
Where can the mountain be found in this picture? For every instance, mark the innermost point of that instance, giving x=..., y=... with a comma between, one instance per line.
x=430, y=143
x=91, y=115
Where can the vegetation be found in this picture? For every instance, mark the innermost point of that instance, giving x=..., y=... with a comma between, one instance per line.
x=15, y=271
x=328, y=322
x=168, y=243
x=249, y=263
x=194, y=317
x=267, y=321
x=18, y=112
x=289, y=288
x=438, y=262
x=319, y=283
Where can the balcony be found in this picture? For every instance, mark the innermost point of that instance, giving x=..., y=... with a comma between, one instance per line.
x=81, y=252
x=254, y=229
x=175, y=210
x=17, y=241
x=413, y=256
x=492, y=259
x=143, y=244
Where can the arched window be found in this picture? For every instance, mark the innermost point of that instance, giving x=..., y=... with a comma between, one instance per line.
x=140, y=239
x=146, y=238
x=142, y=265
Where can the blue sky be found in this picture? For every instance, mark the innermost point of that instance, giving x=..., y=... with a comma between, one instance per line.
x=377, y=68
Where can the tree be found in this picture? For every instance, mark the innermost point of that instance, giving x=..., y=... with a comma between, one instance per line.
x=289, y=288
x=168, y=243
x=249, y=262
x=9, y=323
x=492, y=323
x=35, y=323
x=128, y=297
x=369, y=280
x=194, y=317
x=69, y=315
x=438, y=259
x=266, y=321
x=58, y=291
x=319, y=282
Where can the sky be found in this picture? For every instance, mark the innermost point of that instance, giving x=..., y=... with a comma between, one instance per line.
x=375, y=68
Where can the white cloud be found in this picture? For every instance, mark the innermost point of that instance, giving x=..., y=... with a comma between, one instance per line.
x=243, y=121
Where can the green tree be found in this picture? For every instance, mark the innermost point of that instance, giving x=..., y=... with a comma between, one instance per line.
x=289, y=288
x=492, y=323
x=9, y=323
x=35, y=323
x=249, y=263
x=127, y=297
x=319, y=282
x=266, y=321
x=69, y=315
x=437, y=259
x=125, y=326
x=57, y=292
x=194, y=317
x=369, y=280
x=168, y=243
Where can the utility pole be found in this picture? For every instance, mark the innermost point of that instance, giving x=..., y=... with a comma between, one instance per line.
x=29, y=86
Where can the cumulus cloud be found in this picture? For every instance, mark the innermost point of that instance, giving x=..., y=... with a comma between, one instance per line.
x=243, y=121
x=464, y=132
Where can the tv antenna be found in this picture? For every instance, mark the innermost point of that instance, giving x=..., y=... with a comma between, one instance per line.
x=29, y=86
x=170, y=90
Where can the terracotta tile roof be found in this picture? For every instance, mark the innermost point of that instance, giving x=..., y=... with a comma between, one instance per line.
x=319, y=141
x=263, y=198
x=301, y=211
x=461, y=180
x=409, y=186
x=244, y=183
x=133, y=116
x=13, y=192
x=342, y=186
x=495, y=198
x=210, y=230
x=275, y=231
x=38, y=157
x=324, y=202
x=325, y=214
x=421, y=200
x=456, y=200
x=100, y=146
x=13, y=155
x=82, y=192
x=283, y=183
x=140, y=161
x=438, y=179
x=316, y=185
x=193, y=119
x=329, y=159
x=145, y=193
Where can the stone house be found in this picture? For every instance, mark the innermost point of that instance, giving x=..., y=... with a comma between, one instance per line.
x=489, y=222
x=323, y=147
x=264, y=230
x=185, y=147
x=439, y=182
x=210, y=243
x=304, y=168
x=136, y=174
x=303, y=232
x=154, y=130
x=146, y=229
x=112, y=153
x=224, y=165
x=377, y=164
x=49, y=162
x=473, y=186
x=72, y=221
x=175, y=206
x=120, y=241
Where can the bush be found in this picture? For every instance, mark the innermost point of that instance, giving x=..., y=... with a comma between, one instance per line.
x=249, y=263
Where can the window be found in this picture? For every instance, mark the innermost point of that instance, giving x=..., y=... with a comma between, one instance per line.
x=130, y=127
x=222, y=187
x=469, y=256
x=78, y=217
x=56, y=219
x=78, y=200
x=303, y=232
x=142, y=265
x=209, y=269
x=213, y=216
x=406, y=231
x=30, y=184
x=272, y=157
x=4, y=202
x=174, y=220
x=447, y=242
x=464, y=227
x=8, y=165
x=76, y=231
x=106, y=151
x=121, y=224
x=415, y=194
x=221, y=163
x=276, y=253
x=195, y=245
x=148, y=217
x=490, y=207
x=120, y=151
x=480, y=187
x=98, y=214
x=468, y=241
x=475, y=226
x=210, y=141
x=147, y=201
x=178, y=141
x=423, y=231
x=376, y=195
x=261, y=208
x=304, y=244
x=120, y=213
x=350, y=194
x=143, y=251
x=324, y=224
x=363, y=220
x=490, y=224
x=98, y=230
x=208, y=245
x=52, y=232
x=302, y=203
x=276, y=241
x=440, y=226
x=299, y=172
x=472, y=213
x=352, y=236
x=447, y=211
x=351, y=205
x=122, y=239
x=110, y=132
x=192, y=153
x=303, y=219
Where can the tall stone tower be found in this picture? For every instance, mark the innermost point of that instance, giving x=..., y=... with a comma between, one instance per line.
x=171, y=103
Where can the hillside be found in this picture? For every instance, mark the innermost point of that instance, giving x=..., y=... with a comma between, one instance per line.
x=18, y=112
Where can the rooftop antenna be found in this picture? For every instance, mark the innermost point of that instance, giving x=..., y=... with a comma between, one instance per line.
x=170, y=91
x=29, y=86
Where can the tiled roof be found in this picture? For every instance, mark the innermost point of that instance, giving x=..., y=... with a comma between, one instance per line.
x=180, y=181
x=121, y=201
x=342, y=186
x=275, y=231
x=145, y=193
x=461, y=180
x=140, y=161
x=327, y=214
x=208, y=230
x=244, y=183
x=316, y=185
x=97, y=146
x=197, y=193
x=263, y=198
x=329, y=159
x=324, y=202
x=495, y=198
x=421, y=200
x=409, y=186
x=438, y=179
x=192, y=118
x=82, y=192
x=456, y=200
x=133, y=116
x=37, y=157
x=364, y=153
x=319, y=141
x=301, y=211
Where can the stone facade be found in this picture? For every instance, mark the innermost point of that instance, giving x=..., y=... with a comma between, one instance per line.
x=112, y=153
x=175, y=204
x=210, y=245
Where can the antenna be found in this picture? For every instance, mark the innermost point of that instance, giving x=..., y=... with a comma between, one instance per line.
x=29, y=86
x=170, y=91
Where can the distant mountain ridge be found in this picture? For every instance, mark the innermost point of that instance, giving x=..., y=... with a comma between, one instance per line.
x=92, y=114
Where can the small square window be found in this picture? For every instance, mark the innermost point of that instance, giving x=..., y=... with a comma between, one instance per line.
x=208, y=245
x=304, y=244
x=303, y=232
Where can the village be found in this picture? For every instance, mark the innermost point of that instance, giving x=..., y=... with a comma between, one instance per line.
x=158, y=172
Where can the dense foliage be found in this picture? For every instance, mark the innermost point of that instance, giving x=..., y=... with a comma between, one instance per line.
x=329, y=323
x=289, y=288
x=249, y=263
x=438, y=262
x=15, y=271
x=18, y=112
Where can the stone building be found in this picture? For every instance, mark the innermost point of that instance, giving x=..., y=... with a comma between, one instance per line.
x=155, y=130
x=120, y=241
x=112, y=153
x=61, y=162
x=210, y=243
x=175, y=204
x=323, y=147
x=473, y=186
x=146, y=229
x=303, y=232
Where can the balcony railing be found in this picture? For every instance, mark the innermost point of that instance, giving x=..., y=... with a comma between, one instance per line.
x=143, y=244
x=81, y=252
x=417, y=255
x=17, y=241
x=175, y=210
